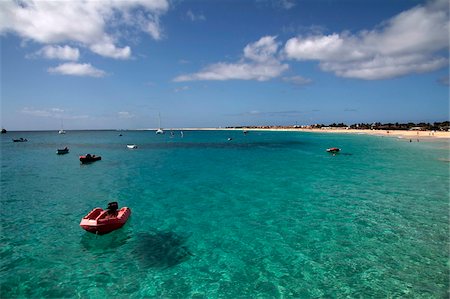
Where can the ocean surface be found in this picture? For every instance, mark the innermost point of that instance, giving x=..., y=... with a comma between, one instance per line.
x=267, y=215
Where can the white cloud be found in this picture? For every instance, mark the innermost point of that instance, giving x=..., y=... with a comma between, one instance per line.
x=287, y=4
x=38, y=112
x=297, y=80
x=93, y=24
x=263, y=50
x=108, y=49
x=59, y=52
x=236, y=71
x=195, y=17
x=77, y=69
x=410, y=42
x=154, y=29
x=57, y=110
x=259, y=63
x=51, y=113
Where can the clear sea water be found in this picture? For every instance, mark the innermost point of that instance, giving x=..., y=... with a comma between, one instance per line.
x=267, y=215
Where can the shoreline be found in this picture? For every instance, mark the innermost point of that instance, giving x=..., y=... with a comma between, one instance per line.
x=401, y=134
x=407, y=134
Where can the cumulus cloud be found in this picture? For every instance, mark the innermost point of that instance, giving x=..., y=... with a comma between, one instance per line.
x=88, y=23
x=108, y=49
x=58, y=52
x=259, y=62
x=77, y=69
x=410, y=42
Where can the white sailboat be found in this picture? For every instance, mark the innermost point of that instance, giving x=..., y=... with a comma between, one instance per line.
x=160, y=130
x=62, y=129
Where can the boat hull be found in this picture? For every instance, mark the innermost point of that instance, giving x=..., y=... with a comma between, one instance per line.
x=20, y=140
x=62, y=151
x=99, y=222
x=89, y=159
x=333, y=150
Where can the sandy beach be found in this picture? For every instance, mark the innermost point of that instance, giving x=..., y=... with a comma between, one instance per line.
x=393, y=133
x=406, y=134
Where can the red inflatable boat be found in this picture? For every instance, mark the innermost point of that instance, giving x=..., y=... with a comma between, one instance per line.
x=333, y=150
x=101, y=222
x=89, y=158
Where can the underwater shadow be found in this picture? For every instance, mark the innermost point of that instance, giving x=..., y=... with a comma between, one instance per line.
x=161, y=249
x=104, y=243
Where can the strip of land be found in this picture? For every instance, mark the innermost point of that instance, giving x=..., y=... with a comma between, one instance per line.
x=407, y=134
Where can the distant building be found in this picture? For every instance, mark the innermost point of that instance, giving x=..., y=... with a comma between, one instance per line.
x=417, y=129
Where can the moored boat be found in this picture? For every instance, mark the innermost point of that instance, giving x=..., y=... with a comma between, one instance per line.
x=62, y=129
x=100, y=221
x=132, y=146
x=333, y=150
x=160, y=130
x=88, y=158
x=20, y=140
x=62, y=151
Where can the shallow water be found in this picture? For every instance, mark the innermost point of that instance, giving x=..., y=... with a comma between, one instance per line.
x=270, y=214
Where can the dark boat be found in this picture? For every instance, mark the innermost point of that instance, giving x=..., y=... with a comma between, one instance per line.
x=88, y=158
x=100, y=222
x=20, y=140
x=4, y=131
x=62, y=151
x=333, y=150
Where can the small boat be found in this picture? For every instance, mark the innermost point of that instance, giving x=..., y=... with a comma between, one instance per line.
x=20, y=140
x=89, y=158
x=4, y=131
x=160, y=130
x=132, y=146
x=62, y=129
x=62, y=151
x=100, y=221
x=333, y=150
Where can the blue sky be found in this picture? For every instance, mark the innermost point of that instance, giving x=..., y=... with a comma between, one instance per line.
x=118, y=64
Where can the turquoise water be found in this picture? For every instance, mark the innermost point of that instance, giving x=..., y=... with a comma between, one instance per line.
x=266, y=215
